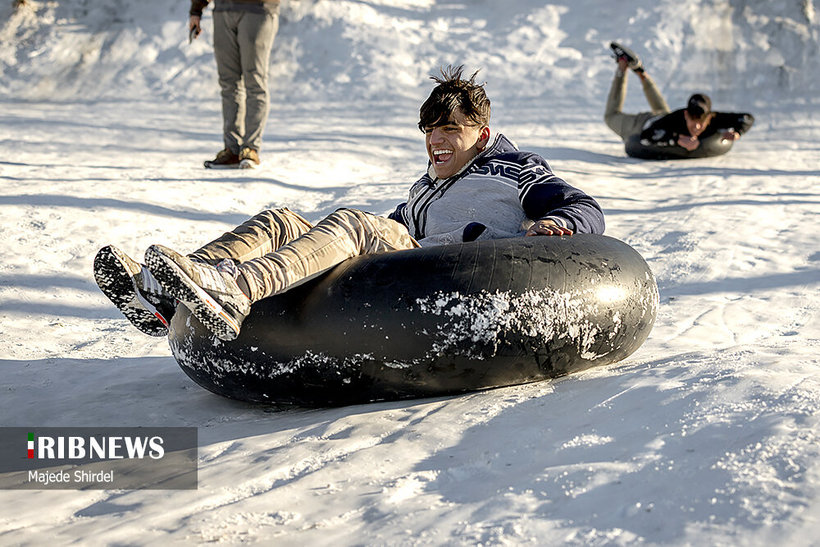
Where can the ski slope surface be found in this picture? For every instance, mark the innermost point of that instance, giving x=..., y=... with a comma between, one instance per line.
x=708, y=435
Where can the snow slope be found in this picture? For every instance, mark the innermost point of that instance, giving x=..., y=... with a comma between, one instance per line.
x=707, y=435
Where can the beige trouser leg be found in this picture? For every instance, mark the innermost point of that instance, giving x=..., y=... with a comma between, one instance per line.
x=343, y=234
x=653, y=96
x=626, y=125
x=256, y=237
x=242, y=49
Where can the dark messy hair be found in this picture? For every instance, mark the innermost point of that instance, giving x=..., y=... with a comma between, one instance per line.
x=699, y=106
x=453, y=93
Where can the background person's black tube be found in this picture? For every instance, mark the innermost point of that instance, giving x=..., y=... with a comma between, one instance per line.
x=714, y=145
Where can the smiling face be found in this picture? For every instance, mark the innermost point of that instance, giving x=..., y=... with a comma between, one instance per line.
x=455, y=121
x=451, y=145
x=696, y=126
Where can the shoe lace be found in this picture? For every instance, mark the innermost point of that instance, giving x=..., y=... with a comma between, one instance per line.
x=248, y=154
x=228, y=267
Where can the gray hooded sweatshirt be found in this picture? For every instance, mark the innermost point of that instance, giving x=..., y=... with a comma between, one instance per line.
x=499, y=194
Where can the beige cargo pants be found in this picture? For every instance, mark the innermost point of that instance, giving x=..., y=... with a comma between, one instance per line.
x=278, y=249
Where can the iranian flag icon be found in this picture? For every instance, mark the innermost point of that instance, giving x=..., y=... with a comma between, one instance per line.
x=31, y=446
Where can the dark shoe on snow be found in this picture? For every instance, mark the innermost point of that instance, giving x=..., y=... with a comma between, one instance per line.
x=135, y=292
x=211, y=294
x=225, y=159
x=633, y=62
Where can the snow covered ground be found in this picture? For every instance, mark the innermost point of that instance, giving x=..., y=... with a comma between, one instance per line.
x=708, y=435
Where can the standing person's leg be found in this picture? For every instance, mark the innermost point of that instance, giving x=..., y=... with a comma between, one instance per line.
x=256, y=36
x=222, y=301
x=229, y=71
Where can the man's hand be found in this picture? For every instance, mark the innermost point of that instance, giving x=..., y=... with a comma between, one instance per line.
x=690, y=143
x=193, y=27
x=548, y=227
x=730, y=135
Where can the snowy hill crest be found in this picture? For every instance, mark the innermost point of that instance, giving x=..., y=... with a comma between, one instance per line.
x=83, y=49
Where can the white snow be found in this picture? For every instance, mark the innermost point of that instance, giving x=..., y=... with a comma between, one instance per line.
x=707, y=435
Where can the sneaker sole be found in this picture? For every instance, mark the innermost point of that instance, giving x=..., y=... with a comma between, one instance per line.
x=631, y=57
x=117, y=284
x=193, y=297
x=212, y=165
x=248, y=164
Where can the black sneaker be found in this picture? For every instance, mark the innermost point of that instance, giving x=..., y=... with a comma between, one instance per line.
x=225, y=159
x=135, y=292
x=633, y=62
x=212, y=295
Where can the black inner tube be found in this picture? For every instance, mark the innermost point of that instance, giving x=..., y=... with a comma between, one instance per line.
x=432, y=321
x=714, y=145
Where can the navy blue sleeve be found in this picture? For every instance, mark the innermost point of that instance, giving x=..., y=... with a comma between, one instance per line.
x=197, y=6
x=398, y=215
x=545, y=195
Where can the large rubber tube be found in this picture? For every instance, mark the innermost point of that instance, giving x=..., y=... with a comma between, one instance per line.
x=432, y=321
x=714, y=145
